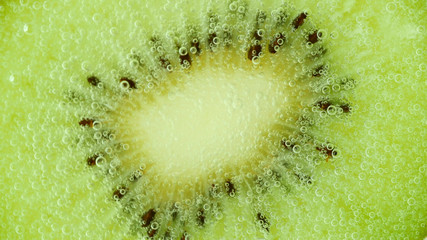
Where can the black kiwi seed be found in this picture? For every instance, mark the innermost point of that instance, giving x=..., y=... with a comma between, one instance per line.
x=346, y=108
x=319, y=71
x=263, y=222
x=120, y=193
x=185, y=59
x=319, y=53
x=87, y=122
x=329, y=153
x=164, y=62
x=129, y=82
x=151, y=232
x=211, y=38
x=299, y=21
x=201, y=217
x=231, y=190
x=314, y=37
x=276, y=43
x=94, y=81
x=254, y=51
x=196, y=44
x=304, y=179
x=148, y=217
x=91, y=161
x=184, y=236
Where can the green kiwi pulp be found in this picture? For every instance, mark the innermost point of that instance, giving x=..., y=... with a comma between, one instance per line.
x=235, y=119
x=217, y=109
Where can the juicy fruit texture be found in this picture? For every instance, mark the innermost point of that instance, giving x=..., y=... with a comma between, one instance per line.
x=207, y=127
x=351, y=196
x=205, y=116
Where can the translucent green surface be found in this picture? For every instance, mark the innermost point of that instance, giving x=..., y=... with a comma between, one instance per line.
x=375, y=189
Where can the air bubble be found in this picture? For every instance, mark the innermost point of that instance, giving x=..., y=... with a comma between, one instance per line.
x=182, y=51
x=256, y=60
x=96, y=17
x=85, y=66
x=334, y=35
x=169, y=68
x=303, y=129
x=193, y=50
x=66, y=229
x=113, y=31
x=115, y=197
x=335, y=153
x=159, y=49
x=321, y=34
x=65, y=65
x=336, y=88
x=155, y=225
x=112, y=136
x=19, y=229
x=411, y=201
x=332, y=110
x=326, y=90
x=97, y=135
x=241, y=9
x=23, y=2
x=37, y=5
x=390, y=7
x=296, y=149
x=124, y=85
x=97, y=125
x=108, y=150
x=206, y=207
x=122, y=191
x=233, y=6
x=100, y=161
x=323, y=114
x=134, y=63
x=215, y=40
x=95, y=106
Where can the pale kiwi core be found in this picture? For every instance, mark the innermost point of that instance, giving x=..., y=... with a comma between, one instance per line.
x=208, y=126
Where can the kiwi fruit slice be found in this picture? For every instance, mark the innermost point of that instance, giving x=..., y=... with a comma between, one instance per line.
x=212, y=120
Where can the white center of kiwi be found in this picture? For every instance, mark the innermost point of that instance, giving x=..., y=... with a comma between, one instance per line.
x=209, y=124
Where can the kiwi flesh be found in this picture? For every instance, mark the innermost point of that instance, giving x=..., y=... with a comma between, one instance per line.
x=69, y=145
x=174, y=130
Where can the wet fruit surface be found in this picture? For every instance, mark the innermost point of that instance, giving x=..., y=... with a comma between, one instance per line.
x=68, y=66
